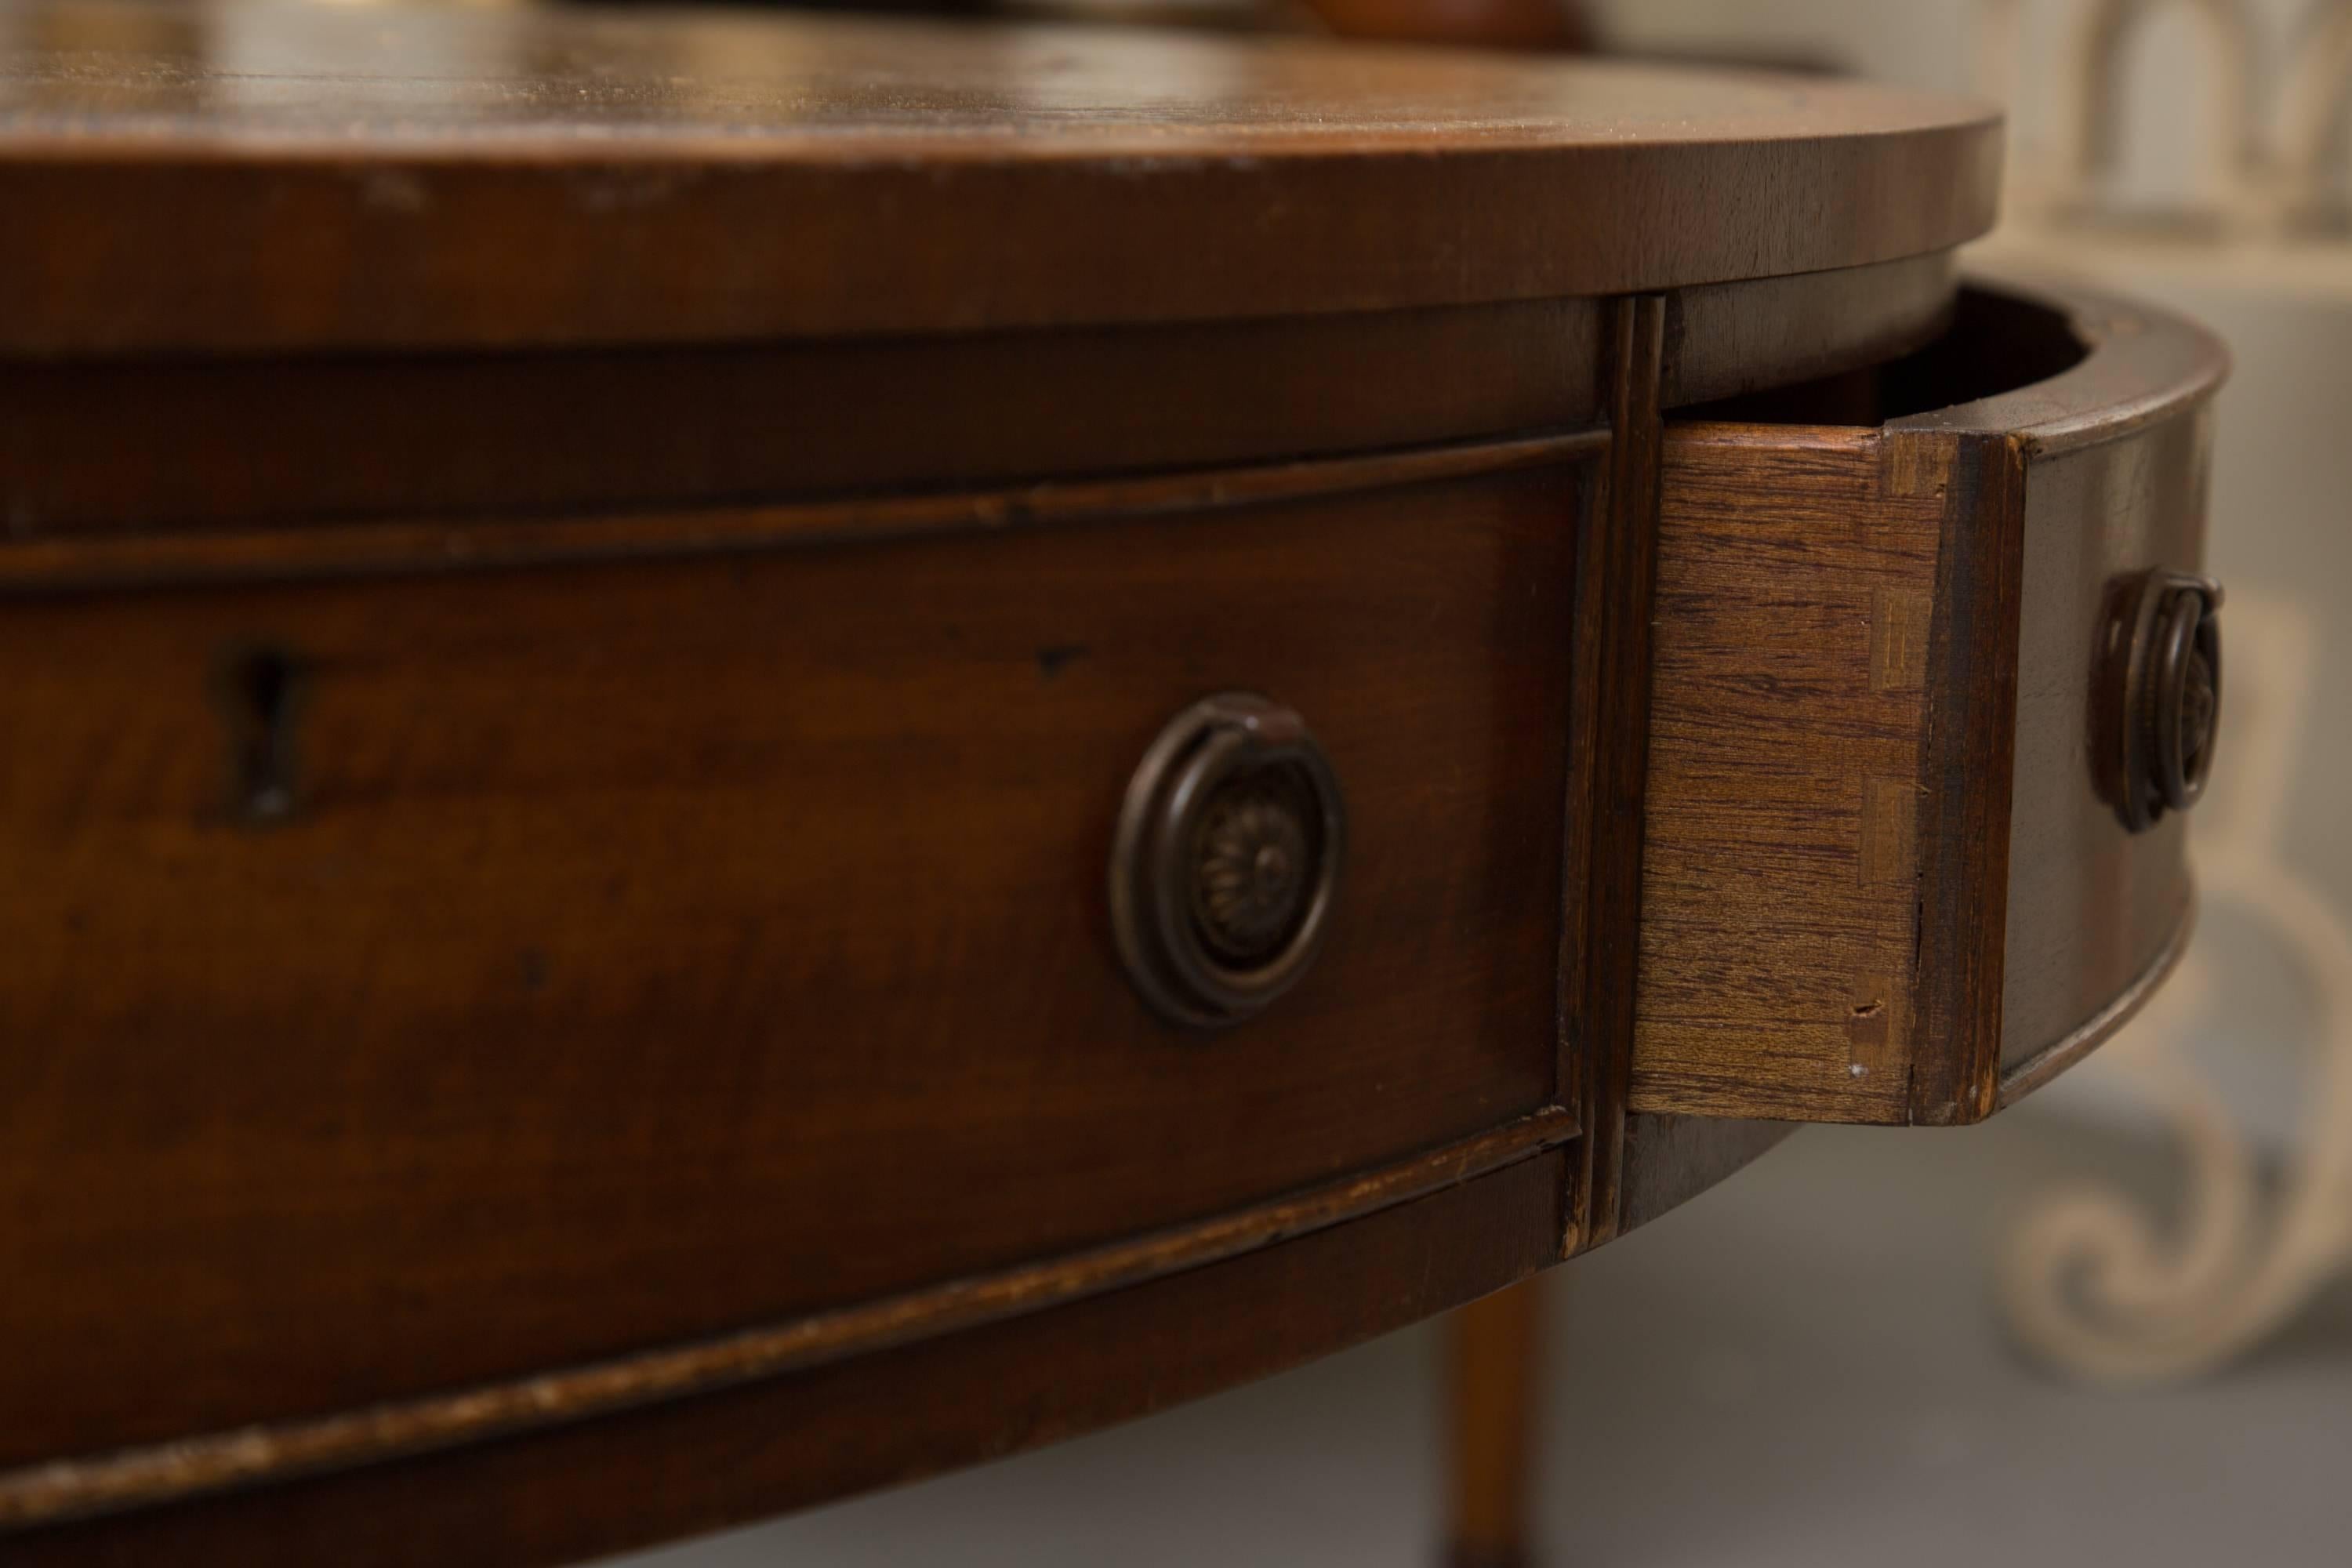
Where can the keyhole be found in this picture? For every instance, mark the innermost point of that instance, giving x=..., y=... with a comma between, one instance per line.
x=262, y=691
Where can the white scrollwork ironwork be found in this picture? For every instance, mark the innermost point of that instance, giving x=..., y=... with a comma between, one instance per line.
x=2264, y=202
x=2087, y=1279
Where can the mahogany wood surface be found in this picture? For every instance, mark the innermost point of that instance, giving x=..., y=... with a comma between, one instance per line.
x=451, y=178
x=2117, y=454
x=1727, y=339
x=2093, y=911
x=1796, y=582
x=467, y=436
x=323, y=550
x=474, y=436
x=596, y=1486
x=1884, y=885
x=652, y=948
x=580, y=594
x=1609, y=745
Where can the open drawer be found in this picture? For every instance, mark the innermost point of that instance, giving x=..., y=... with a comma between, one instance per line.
x=1934, y=679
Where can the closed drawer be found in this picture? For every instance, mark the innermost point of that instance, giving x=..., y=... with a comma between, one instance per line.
x=1895, y=870
x=640, y=950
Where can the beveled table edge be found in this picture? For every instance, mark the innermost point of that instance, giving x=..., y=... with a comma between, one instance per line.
x=61, y=1491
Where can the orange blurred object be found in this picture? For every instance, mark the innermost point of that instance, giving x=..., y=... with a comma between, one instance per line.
x=1510, y=24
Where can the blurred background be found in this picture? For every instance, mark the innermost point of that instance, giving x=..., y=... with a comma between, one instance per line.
x=2112, y=1326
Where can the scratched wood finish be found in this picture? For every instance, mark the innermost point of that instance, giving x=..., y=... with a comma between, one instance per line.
x=1796, y=580
x=660, y=947
x=1881, y=884
x=468, y=177
x=587, y=1490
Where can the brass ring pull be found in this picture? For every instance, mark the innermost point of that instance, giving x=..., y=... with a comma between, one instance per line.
x=2168, y=707
x=1226, y=861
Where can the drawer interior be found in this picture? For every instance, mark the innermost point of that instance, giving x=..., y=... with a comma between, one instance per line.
x=1998, y=342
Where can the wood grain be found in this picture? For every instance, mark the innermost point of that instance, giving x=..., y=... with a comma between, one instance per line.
x=560, y=992
x=407, y=545
x=1781, y=887
x=250, y=443
x=2115, y=449
x=1967, y=748
x=1885, y=886
x=203, y=1463
x=1609, y=739
x=596, y=1487
x=219, y=179
x=654, y=949
x=2093, y=907
x=1724, y=340
x=311, y=440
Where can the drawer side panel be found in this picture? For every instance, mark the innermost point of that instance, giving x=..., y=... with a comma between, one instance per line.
x=1796, y=586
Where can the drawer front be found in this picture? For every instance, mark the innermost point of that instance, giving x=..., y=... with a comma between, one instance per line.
x=2097, y=908
x=1887, y=875
x=640, y=950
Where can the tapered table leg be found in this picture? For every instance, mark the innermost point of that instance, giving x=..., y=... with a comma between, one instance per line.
x=1494, y=1366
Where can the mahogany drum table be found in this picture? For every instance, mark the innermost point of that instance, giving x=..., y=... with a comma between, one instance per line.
x=746, y=755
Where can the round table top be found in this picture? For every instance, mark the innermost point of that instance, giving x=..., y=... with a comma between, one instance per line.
x=244, y=177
